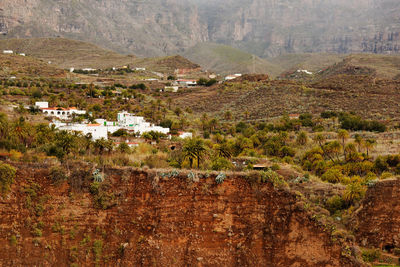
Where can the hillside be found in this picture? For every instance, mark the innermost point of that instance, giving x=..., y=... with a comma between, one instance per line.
x=19, y=67
x=66, y=53
x=313, y=62
x=367, y=96
x=382, y=66
x=225, y=59
x=165, y=64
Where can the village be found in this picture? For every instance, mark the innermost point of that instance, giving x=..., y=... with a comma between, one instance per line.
x=101, y=129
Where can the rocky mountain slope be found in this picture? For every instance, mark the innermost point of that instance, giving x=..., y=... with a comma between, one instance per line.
x=263, y=27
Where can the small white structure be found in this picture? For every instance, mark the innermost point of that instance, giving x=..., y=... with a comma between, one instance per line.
x=71, y=70
x=22, y=54
x=8, y=52
x=62, y=113
x=173, y=89
x=88, y=69
x=186, y=82
x=184, y=135
x=232, y=77
x=129, y=143
x=140, y=69
x=305, y=71
x=41, y=105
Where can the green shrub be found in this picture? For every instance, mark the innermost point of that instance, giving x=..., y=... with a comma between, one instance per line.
x=333, y=175
x=7, y=175
x=370, y=255
x=57, y=174
x=13, y=240
x=97, y=249
x=334, y=204
x=221, y=164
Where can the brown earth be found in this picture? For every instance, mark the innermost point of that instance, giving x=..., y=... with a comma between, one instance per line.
x=159, y=221
x=377, y=221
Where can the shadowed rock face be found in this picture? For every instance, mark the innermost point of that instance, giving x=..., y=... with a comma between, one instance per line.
x=160, y=221
x=264, y=27
x=378, y=218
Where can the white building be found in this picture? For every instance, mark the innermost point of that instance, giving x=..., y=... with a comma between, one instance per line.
x=97, y=131
x=232, y=77
x=22, y=54
x=173, y=89
x=62, y=113
x=41, y=105
x=8, y=52
x=140, y=69
x=184, y=135
x=186, y=82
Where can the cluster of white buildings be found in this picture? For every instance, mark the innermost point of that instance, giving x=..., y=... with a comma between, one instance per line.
x=101, y=128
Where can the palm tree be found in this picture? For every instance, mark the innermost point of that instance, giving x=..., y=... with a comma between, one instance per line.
x=320, y=139
x=343, y=135
x=302, y=138
x=359, y=141
x=194, y=149
x=223, y=150
x=369, y=144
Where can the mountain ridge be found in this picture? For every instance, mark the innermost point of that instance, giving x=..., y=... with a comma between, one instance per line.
x=264, y=28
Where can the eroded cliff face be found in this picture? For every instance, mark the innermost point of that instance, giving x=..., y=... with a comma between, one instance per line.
x=150, y=27
x=159, y=221
x=377, y=221
x=263, y=27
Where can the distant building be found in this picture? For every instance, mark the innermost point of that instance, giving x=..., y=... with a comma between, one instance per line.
x=62, y=113
x=8, y=52
x=173, y=89
x=22, y=54
x=186, y=82
x=140, y=69
x=232, y=77
x=88, y=69
x=184, y=135
x=42, y=105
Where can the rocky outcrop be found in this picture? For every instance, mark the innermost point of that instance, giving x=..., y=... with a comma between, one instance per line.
x=262, y=27
x=377, y=221
x=159, y=220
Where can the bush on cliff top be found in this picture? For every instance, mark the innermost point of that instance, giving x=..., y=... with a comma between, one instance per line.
x=7, y=175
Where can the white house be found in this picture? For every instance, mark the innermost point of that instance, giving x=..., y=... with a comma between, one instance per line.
x=97, y=131
x=232, y=77
x=22, y=54
x=186, y=82
x=8, y=52
x=173, y=89
x=184, y=135
x=41, y=105
x=62, y=113
x=140, y=69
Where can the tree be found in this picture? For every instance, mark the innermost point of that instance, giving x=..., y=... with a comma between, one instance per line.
x=194, y=149
x=223, y=150
x=343, y=135
x=359, y=141
x=369, y=144
x=302, y=138
x=353, y=193
x=320, y=139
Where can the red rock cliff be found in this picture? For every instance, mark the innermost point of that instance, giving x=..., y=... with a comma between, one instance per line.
x=159, y=222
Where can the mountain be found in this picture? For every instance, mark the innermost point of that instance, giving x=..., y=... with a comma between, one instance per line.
x=146, y=28
x=267, y=28
x=226, y=59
